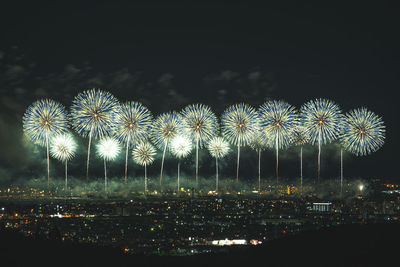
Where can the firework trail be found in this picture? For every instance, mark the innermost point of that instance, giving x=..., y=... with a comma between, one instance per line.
x=218, y=148
x=200, y=124
x=166, y=126
x=143, y=154
x=321, y=118
x=91, y=115
x=300, y=138
x=108, y=148
x=43, y=120
x=362, y=133
x=278, y=120
x=131, y=125
x=63, y=148
x=240, y=123
x=181, y=146
x=259, y=143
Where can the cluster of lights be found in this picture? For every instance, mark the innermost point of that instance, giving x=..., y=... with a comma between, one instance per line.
x=276, y=124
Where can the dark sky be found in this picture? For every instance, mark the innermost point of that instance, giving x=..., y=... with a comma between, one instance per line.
x=171, y=55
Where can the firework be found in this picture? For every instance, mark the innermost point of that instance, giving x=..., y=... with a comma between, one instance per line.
x=260, y=142
x=63, y=148
x=321, y=118
x=363, y=132
x=218, y=148
x=278, y=120
x=240, y=123
x=43, y=120
x=131, y=124
x=91, y=115
x=300, y=138
x=200, y=124
x=108, y=148
x=166, y=126
x=143, y=154
x=180, y=147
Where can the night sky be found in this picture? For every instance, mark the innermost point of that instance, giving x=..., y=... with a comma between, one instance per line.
x=171, y=55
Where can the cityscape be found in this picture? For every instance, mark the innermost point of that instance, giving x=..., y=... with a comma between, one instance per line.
x=191, y=222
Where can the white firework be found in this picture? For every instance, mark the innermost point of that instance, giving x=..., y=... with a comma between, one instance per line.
x=63, y=147
x=218, y=148
x=181, y=146
x=143, y=154
x=108, y=148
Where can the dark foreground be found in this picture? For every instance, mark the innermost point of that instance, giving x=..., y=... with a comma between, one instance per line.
x=350, y=245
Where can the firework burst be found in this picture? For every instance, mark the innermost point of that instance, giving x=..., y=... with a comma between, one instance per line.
x=131, y=124
x=91, y=113
x=63, y=148
x=240, y=123
x=278, y=120
x=218, y=148
x=166, y=126
x=181, y=146
x=321, y=118
x=363, y=132
x=143, y=154
x=108, y=148
x=200, y=124
x=43, y=120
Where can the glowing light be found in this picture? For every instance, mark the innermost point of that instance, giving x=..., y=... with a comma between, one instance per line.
x=321, y=118
x=63, y=147
x=363, y=132
x=166, y=126
x=108, y=148
x=92, y=112
x=143, y=154
x=44, y=119
x=181, y=146
x=199, y=123
x=218, y=147
x=131, y=123
x=278, y=120
x=240, y=123
x=91, y=115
